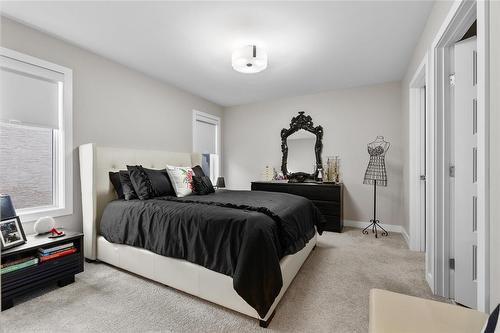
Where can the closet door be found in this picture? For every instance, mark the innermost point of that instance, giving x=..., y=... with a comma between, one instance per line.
x=465, y=142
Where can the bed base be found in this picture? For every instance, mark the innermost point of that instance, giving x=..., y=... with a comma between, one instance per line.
x=194, y=279
x=97, y=191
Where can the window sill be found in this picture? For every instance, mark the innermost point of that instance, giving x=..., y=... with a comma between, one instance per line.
x=31, y=215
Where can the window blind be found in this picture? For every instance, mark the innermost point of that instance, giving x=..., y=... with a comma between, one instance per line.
x=206, y=137
x=29, y=94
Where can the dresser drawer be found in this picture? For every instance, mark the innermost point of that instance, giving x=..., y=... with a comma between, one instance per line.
x=309, y=191
x=328, y=207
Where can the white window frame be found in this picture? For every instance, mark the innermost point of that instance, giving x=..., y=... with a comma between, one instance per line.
x=214, y=120
x=63, y=149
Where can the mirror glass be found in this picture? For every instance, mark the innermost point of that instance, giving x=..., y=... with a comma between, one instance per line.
x=301, y=155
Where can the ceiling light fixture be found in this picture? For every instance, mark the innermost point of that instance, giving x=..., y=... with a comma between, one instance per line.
x=249, y=59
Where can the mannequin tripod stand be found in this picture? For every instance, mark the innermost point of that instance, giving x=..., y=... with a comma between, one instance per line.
x=374, y=222
x=376, y=174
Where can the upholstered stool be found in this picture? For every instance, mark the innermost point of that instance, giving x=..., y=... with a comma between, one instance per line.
x=398, y=313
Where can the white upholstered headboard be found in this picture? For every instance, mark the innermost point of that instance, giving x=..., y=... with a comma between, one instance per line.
x=95, y=164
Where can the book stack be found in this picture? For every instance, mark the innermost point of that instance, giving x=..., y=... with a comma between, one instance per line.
x=56, y=252
x=16, y=264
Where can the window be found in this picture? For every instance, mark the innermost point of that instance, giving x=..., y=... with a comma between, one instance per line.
x=35, y=135
x=206, y=141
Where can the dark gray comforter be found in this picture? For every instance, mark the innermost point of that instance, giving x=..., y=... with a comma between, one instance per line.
x=242, y=234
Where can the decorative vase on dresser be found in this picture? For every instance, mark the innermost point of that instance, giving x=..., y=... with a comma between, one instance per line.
x=327, y=197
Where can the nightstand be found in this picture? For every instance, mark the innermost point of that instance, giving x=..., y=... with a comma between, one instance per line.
x=60, y=269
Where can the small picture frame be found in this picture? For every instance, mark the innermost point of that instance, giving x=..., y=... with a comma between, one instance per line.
x=11, y=233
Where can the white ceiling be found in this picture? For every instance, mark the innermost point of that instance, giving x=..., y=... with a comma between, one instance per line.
x=312, y=46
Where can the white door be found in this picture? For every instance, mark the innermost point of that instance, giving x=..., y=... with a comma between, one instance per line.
x=465, y=188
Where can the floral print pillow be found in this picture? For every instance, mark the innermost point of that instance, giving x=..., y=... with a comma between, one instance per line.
x=181, y=179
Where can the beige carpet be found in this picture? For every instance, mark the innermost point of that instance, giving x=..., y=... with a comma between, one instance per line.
x=329, y=294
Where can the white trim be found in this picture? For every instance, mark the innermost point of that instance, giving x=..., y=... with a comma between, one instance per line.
x=483, y=137
x=417, y=95
x=405, y=236
x=64, y=165
x=389, y=227
x=458, y=20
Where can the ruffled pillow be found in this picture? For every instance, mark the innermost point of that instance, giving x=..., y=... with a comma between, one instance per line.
x=202, y=185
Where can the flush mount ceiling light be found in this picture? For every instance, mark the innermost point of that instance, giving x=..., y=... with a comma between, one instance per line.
x=249, y=59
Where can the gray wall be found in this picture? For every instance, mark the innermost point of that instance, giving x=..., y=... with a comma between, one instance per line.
x=434, y=22
x=112, y=104
x=494, y=154
x=351, y=118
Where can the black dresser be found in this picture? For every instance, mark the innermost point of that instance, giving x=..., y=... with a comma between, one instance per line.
x=327, y=197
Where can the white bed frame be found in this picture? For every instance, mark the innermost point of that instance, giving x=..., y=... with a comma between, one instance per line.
x=97, y=191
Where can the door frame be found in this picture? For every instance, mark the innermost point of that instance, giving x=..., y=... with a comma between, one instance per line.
x=461, y=15
x=419, y=99
x=211, y=119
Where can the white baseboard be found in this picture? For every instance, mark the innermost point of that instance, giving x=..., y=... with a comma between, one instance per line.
x=388, y=227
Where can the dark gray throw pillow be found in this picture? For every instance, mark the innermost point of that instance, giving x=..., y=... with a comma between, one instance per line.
x=128, y=188
x=202, y=185
x=114, y=177
x=140, y=182
x=160, y=182
x=198, y=171
x=150, y=183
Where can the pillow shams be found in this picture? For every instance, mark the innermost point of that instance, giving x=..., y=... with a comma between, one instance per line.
x=160, y=181
x=149, y=183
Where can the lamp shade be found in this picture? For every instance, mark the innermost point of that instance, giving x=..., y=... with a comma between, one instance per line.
x=7, y=210
x=220, y=182
x=249, y=59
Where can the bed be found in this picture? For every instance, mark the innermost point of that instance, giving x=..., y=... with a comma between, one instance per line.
x=183, y=273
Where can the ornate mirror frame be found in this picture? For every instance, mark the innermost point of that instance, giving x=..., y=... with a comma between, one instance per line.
x=297, y=123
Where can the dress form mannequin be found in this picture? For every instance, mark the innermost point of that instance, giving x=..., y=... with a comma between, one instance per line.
x=376, y=174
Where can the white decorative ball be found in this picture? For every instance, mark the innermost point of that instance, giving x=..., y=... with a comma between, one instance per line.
x=44, y=225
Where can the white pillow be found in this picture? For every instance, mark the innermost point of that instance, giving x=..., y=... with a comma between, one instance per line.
x=182, y=180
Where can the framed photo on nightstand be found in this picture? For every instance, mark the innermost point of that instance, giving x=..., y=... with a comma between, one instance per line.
x=11, y=233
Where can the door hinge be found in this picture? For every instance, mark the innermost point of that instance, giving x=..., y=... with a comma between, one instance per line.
x=452, y=171
x=452, y=263
x=452, y=79
x=422, y=177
